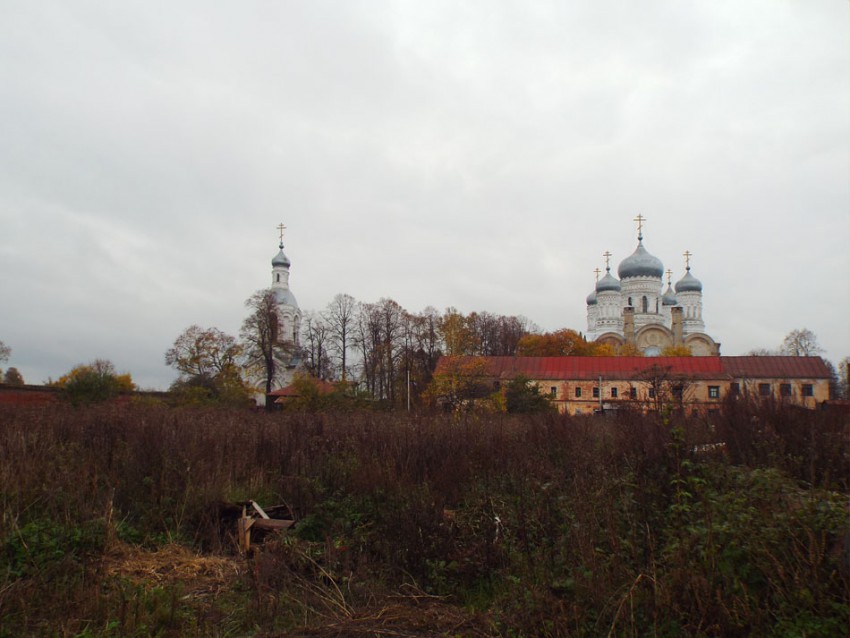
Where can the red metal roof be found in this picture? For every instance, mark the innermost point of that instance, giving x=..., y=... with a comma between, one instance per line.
x=585, y=368
x=766, y=367
x=291, y=391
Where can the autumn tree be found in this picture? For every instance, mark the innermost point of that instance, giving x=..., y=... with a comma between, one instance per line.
x=266, y=354
x=13, y=377
x=676, y=351
x=208, y=362
x=94, y=382
x=801, y=343
x=459, y=381
x=561, y=343
x=457, y=334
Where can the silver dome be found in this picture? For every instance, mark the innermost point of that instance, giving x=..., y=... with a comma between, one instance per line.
x=689, y=283
x=591, y=299
x=284, y=296
x=669, y=299
x=607, y=284
x=641, y=264
x=281, y=259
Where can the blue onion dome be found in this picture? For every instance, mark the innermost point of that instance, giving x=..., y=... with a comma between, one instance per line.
x=641, y=264
x=281, y=259
x=591, y=299
x=608, y=283
x=688, y=283
x=669, y=299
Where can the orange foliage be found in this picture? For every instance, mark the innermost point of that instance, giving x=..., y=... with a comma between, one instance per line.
x=561, y=343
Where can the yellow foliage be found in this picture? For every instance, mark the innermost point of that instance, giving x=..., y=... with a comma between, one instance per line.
x=676, y=351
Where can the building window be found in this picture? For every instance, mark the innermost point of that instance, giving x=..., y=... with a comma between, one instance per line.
x=613, y=393
x=785, y=389
x=808, y=390
x=645, y=304
x=596, y=392
x=652, y=393
x=678, y=391
x=735, y=389
x=633, y=393
x=764, y=389
x=277, y=277
x=714, y=392
x=578, y=392
x=553, y=392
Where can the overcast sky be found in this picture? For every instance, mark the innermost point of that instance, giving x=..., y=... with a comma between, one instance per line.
x=481, y=155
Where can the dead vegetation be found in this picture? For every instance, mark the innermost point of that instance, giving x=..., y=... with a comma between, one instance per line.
x=115, y=522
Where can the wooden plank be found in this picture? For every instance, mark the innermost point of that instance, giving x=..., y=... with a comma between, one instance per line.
x=272, y=523
x=259, y=509
x=243, y=528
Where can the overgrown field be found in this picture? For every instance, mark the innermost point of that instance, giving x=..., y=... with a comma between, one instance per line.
x=425, y=525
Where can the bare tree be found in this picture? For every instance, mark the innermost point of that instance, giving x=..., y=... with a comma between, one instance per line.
x=380, y=338
x=762, y=352
x=5, y=353
x=316, y=336
x=844, y=378
x=265, y=353
x=801, y=343
x=341, y=317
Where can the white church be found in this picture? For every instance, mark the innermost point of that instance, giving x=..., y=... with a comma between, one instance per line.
x=289, y=325
x=635, y=309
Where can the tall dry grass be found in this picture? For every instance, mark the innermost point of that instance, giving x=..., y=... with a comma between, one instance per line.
x=630, y=525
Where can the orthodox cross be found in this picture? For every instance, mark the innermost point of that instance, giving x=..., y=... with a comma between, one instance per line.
x=687, y=255
x=607, y=256
x=597, y=271
x=669, y=274
x=640, y=219
x=281, y=228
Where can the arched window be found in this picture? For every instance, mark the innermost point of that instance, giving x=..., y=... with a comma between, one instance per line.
x=277, y=277
x=645, y=304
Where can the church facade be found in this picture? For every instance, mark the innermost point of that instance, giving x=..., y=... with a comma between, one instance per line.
x=289, y=314
x=634, y=308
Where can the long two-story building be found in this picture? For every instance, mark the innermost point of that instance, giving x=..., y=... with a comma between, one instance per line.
x=583, y=385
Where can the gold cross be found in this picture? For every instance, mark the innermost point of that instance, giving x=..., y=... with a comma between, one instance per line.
x=640, y=219
x=607, y=256
x=669, y=274
x=597, y=271
x=687, y=255
x=281, y=228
